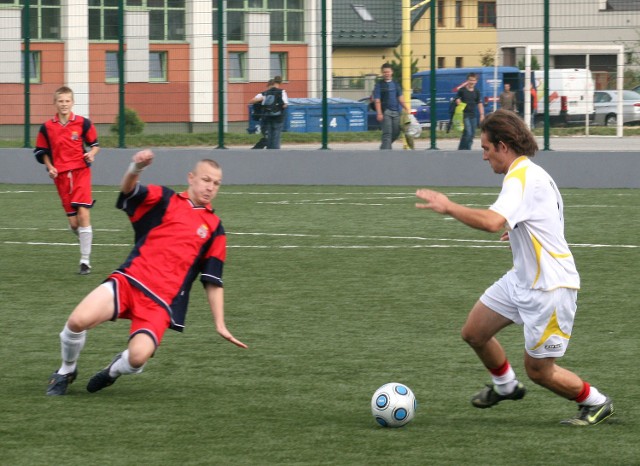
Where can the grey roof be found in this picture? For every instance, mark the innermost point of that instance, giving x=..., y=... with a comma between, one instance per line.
x=623, y=5
x=381, y=28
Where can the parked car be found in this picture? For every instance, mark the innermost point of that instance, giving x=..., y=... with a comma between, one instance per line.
x=606, y=106
x=419, y=109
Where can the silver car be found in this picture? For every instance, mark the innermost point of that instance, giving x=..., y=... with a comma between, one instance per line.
x=606, y=106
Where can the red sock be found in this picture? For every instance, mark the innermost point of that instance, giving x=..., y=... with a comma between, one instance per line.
x=500, y=371
x=586, y=388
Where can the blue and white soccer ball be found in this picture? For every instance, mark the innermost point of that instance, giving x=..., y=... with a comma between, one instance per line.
x=393, y=405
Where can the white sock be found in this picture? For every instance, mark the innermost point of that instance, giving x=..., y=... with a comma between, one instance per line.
x=71, y=343
x=85, y=234
x=505, y=383
x=595, y=398
x=122, y=366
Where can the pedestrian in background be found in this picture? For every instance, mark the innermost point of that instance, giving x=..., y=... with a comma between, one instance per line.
x=473, y=111
x=259, y=116
x=508, y=99
x=274, y=103
x=389, y=103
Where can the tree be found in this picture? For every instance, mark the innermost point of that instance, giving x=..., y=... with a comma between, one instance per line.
x=535, y=65
x=397, y=65
x=488, y=57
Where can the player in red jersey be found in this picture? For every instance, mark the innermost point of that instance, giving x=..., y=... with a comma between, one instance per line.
x=177, y=237
x=61, y=146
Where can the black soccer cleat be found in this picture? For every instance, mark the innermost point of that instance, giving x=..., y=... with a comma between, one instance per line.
x=591, y=415
x=58, y=383
x=102, y=379
x=85, y=269
x=488, y=397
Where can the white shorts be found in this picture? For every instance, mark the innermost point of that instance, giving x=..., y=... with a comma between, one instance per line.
x=547, y=316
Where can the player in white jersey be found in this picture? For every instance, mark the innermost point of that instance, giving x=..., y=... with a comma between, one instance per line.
x=540, y=292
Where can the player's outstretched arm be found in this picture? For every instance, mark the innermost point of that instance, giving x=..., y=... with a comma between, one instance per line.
x=140, y=161
x=482, y=219
x=215, y=296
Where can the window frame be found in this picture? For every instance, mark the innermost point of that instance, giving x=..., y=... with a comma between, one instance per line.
x=164, y=59
x=484, y=14
x=459, y=9
x=283, y=59
x=35, y=67
x=239, y=57
x=52, y=11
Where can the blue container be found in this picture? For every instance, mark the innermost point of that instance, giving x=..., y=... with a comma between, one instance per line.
x=305, y=115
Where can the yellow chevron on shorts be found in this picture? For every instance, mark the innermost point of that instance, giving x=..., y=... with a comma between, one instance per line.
x=552, y=329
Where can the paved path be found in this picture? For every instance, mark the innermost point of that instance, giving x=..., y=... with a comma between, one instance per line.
x=575, y=143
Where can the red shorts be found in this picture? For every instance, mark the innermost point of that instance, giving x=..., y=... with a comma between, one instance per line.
x=145, y=314
x=74, y=189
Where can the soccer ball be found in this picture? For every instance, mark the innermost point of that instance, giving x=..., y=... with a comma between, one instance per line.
x=393, y=405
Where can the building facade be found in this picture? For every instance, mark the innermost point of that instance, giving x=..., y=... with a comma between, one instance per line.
x=171, y=48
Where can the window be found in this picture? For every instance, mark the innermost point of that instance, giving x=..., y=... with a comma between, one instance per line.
x=440, y=14
x=459, y=62
x=158, y=66
x=458, y=14
x=237, y=66
x=278, y=64
x=487, y=14
x=44, y=18
x=166, y=19
x=441, y=62
x=103, y=20
x=362, y=12
x=112, y=70
x=287, y=19
x=34, y=67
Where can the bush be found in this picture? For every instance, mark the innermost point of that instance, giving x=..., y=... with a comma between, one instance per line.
x=132, y=122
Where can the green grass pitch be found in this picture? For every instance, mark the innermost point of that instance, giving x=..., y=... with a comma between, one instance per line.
x=337, y=290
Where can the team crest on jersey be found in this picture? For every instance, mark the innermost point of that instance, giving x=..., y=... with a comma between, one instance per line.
x=203, y=231
x=75, y=136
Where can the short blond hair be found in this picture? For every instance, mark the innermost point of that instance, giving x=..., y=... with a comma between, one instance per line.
x=62, y=90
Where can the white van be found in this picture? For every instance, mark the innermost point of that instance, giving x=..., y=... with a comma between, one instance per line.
x=570, y=96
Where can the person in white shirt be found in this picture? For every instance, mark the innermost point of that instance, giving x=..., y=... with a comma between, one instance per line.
x=540, y=291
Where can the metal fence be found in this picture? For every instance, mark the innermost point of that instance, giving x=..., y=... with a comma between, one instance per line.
x=193, y=65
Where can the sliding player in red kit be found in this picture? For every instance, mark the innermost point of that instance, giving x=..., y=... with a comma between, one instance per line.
x=177, y=237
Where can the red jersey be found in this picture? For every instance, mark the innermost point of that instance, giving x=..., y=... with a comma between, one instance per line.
x=65, y=144
x=175, y=241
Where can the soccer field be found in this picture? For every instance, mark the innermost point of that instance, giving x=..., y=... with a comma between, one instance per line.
x=336, y=290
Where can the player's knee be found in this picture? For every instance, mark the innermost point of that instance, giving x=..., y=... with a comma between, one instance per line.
x=137, y=359
x=471, y=337
x=538, y=374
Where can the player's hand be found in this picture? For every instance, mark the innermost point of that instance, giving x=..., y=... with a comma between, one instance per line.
x=504, y=236
x=89, y=157
x=433, y=200
x=143, y=158
x=53, y=173
x=226, y=334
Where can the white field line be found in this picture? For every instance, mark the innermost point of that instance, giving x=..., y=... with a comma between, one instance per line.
x=449, y=242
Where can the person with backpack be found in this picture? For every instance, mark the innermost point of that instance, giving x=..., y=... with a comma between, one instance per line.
x=256, y=115
x=67, y=145
x=274, y=102
x=389, y=103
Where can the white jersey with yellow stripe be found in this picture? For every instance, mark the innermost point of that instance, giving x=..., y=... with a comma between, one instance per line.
x=533, y=207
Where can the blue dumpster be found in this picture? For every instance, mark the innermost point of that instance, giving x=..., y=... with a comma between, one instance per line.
x=305, y=115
